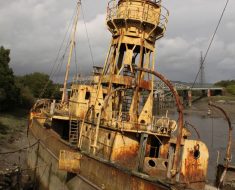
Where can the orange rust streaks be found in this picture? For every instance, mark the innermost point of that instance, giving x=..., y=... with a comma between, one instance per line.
x=194, y=171
x=164, y=151
x=126, y=155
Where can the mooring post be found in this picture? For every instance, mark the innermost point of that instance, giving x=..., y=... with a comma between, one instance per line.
x=209, y=93
x=190, y=98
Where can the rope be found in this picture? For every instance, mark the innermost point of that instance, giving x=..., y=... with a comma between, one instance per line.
x=212, y=39
x=30, y=169
x=20, y=150
x=88, y=39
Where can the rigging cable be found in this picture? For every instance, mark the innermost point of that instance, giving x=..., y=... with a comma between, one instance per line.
x=59, y=67
x=212, y=39
x=52, y=72
x=88, y=39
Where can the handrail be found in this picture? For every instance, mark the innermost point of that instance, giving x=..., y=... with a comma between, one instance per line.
x=159, y=18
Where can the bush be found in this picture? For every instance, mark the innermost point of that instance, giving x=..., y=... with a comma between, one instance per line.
x=231, y=89
x=27, y=98
x=225, y=83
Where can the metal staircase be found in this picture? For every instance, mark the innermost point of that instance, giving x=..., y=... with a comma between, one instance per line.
x=73, y=131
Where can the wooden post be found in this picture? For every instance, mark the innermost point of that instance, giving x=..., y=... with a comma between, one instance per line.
x=190, y=98
x=209, y=93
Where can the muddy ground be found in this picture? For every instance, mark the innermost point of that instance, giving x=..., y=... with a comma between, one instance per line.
x=14, y=172
x=201, y=107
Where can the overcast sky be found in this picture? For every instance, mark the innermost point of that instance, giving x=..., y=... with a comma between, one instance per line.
x=34, y=30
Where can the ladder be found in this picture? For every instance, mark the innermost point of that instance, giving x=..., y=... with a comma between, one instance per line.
x=73, y=131
x=126, y=104
x=128, y=95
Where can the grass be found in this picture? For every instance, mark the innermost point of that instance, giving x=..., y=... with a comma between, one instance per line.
x=11, y=122
x=217, y=98
x=225, y=98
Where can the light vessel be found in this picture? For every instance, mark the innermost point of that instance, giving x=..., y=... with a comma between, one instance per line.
x=103, y=135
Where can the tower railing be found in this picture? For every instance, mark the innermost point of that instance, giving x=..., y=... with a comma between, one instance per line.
x=151, y=16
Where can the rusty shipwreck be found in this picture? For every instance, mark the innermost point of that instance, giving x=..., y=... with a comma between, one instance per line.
x=103, y=135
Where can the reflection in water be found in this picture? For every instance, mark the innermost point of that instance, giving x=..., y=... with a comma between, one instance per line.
x=214, y=133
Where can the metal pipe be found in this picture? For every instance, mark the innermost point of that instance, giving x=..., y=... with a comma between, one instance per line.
x=176, y=162
x=228, y=151
x=195, y=129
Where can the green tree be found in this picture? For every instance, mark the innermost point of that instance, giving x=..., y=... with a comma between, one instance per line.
x=225, y=83
x=39, y=84
x=229, y=85
x=9, y=93
x=231, y=89
x=26, y=96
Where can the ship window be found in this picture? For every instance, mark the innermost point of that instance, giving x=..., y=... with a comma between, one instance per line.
x=166, y=164
x=151, y=163
x=88, y=95
x=142, y=121
x=154, y=147
x=196, y=152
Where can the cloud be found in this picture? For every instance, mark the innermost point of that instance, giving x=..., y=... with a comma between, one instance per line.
x=180, y=59
x=34, y=30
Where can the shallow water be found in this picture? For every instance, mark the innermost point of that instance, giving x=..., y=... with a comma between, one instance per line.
x=214, y=133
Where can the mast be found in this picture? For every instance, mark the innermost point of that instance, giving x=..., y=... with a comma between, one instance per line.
x=72, y=44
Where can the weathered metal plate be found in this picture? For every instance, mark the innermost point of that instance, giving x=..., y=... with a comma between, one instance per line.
x=194, y=162
x=69, y=161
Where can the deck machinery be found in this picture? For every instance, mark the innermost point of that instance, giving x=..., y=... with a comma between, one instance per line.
x=106, y=132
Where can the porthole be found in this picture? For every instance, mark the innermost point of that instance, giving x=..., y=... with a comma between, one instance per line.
x=152, y=163
x=196, y=152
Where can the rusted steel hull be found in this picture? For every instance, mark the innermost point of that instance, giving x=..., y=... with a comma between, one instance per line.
x=94, y=173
